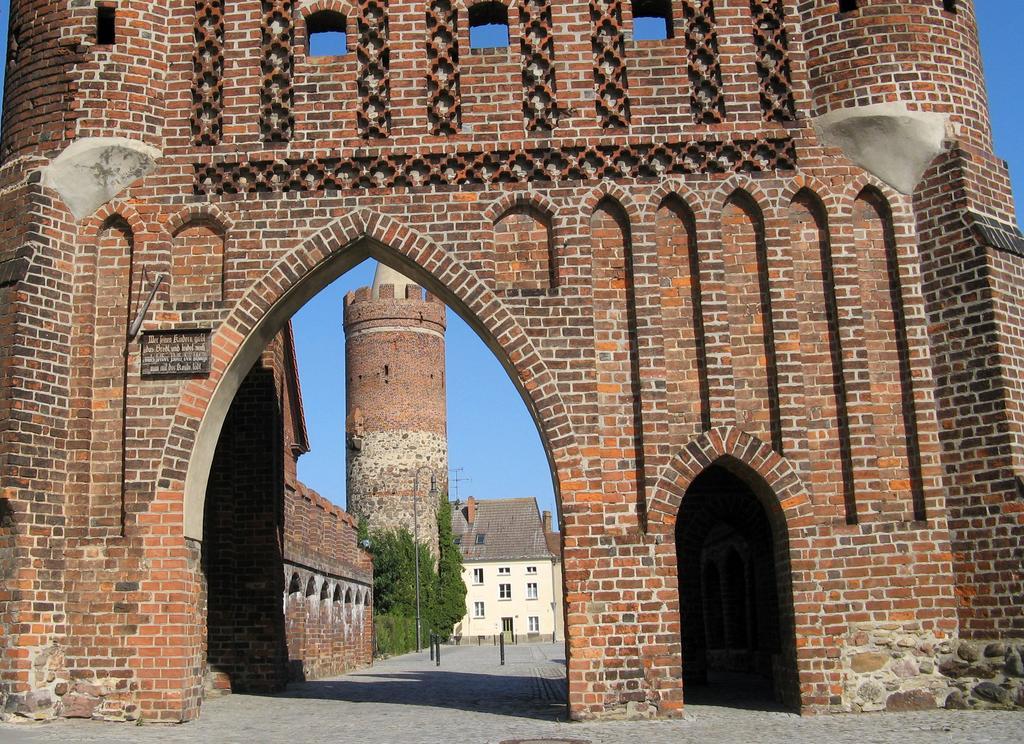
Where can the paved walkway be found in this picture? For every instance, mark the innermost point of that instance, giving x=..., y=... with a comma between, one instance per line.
x=470, y=699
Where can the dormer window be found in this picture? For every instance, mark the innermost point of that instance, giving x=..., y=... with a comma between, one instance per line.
x=326, y=34
x=480, y=539
x=106, y=25
x=652, y=20
x=488, y=26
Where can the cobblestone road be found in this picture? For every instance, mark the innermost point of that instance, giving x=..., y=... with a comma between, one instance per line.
x=473, y=700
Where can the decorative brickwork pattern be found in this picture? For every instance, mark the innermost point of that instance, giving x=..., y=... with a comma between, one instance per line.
x=885, y=316
x=751, y=331
x=112, y=305
x=533, y=165
x=700, y=317
x=773, y=66
x=208, y=63
x=607, y=42
x=818, y=318
x=444, y=103
x=617, y=355
x=683, y=316
x=537, y=44
x=276, y=96
x=707, y=101
x=197, y=264
x=374, y=81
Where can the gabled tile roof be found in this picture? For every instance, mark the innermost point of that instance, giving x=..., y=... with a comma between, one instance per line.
x=511, y=529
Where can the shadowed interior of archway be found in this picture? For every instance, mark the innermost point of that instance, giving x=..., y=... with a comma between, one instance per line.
x=729, y=586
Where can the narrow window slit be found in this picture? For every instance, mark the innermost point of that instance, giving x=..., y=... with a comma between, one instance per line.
x=106, y=25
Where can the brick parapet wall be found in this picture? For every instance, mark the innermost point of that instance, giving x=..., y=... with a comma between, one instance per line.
x=321, y=535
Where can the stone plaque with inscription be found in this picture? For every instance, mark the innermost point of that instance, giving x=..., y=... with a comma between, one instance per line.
x=176, y=353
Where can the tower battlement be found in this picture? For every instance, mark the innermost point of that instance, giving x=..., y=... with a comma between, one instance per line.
x=367, y=307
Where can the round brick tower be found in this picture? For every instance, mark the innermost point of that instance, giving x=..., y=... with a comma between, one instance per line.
x=395, y=403
x=893, y=80
x=85, y=71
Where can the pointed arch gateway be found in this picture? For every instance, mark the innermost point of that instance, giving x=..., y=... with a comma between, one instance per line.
x=314, y=262
x=734, y=509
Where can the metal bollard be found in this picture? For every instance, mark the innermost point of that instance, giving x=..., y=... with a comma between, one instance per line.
x=431, y=646
x=437, y=656
x=501, y=643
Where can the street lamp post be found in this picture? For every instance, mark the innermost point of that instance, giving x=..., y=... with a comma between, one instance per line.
x=416, y=537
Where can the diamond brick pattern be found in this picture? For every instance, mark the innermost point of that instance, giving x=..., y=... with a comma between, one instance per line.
x=707, y=101
x=208, y=64
x=538, y=49
x=773, y=67
x=276, y=117
x=374, y=83
x=609, y=63
x=533, y=165
x=444, y=105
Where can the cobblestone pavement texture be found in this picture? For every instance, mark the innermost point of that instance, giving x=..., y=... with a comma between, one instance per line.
x=471, y=699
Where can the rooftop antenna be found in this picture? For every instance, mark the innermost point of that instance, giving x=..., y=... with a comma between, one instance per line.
x=456, y=477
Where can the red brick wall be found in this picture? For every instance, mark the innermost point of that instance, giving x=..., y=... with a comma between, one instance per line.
x=262, y=528
x=632, y=400
x=410, y=393
x=891, y=50
x=973, y=294
x=523, y=251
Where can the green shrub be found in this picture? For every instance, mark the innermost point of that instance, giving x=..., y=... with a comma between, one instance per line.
x=396, y=634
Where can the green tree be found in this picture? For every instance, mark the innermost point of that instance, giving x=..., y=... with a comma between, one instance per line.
x=451, y=589
x=394, y=575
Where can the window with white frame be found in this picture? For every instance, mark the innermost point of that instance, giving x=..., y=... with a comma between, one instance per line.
x=478, y=610
x=504, y=571
x=504, y=591
x=531, y=569
x=534, y=624
x=531, y=590
x=478, y=576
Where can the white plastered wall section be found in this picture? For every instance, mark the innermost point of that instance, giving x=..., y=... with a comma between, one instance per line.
x=518, y=607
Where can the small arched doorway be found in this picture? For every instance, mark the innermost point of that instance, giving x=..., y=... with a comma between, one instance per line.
x=732, y=557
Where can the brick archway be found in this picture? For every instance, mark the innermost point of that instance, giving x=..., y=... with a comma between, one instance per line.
x=734, y=449
x=786, y=504
x=306, y=269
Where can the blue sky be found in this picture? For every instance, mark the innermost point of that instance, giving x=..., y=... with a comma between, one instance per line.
x=491, y=435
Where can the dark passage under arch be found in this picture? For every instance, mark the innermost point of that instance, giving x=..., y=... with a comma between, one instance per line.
x=730, y=585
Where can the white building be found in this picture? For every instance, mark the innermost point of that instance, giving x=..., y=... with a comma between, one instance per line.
x=513, y=578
